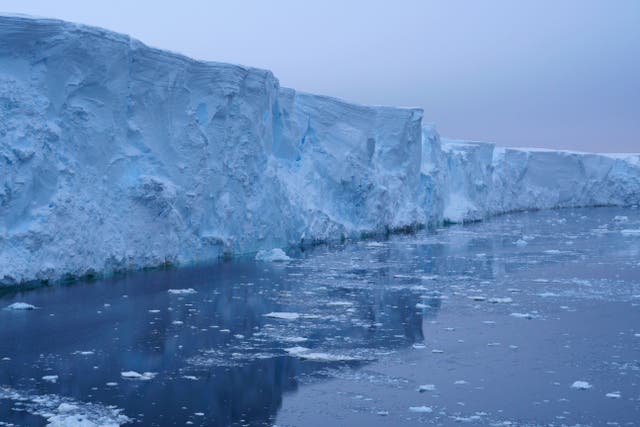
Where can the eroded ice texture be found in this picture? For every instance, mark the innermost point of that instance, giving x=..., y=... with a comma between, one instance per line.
x=117, y=156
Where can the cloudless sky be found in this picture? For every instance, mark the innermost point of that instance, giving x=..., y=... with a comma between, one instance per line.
x=543, y=73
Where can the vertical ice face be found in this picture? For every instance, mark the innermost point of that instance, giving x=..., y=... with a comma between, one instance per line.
x=114, y=155
x=350, y=168
x=482, y=180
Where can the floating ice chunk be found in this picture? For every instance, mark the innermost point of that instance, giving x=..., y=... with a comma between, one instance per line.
x=614, y=395
x=284, y=315
x=469, y=419
x=65, y=412
x=187, y=291
x=421, y=409
x=630, y=232
x=83, y=353
x=505, y=300
x=50, y=378
x=20, y=306
x=382, y=413
x=437, y=351
x=177, y=322
x=294, y=339
x=581, y=385
x=621, y=218
x=190, y=377
x=308, y=354
x=522, y=315
x=339, y=303
x=520, y=242
x=460, y=382
x=154, y=311
x=477, y=297
x=133, y=375
x=111, y=384
x=548, y=295
x=273, y=255
x=375, y=245
x=67, y=407
x=553, y=252
x=426, y=387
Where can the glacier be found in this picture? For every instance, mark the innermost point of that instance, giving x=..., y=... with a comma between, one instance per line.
x=116, y=156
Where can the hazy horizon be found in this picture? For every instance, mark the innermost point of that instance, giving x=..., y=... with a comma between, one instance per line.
x=547, y=74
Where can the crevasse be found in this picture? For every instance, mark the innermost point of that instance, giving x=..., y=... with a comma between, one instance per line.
x=118, y=156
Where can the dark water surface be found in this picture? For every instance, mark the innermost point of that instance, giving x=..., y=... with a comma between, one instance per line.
x=525, y=319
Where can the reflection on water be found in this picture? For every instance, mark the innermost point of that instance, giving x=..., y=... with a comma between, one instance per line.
x=252, y=332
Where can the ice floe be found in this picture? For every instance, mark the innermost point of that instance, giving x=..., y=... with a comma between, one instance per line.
x=133, y=375
x=273, y=255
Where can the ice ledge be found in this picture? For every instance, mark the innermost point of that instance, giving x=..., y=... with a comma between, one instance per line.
x=116, y=156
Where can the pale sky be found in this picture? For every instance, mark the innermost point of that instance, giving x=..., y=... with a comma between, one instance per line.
x=532, y=73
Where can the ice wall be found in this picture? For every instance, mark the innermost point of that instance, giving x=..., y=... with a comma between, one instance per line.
x=351, y=169
x=478, y=179
x=116, y=156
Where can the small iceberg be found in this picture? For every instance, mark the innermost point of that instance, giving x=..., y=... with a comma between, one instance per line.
x=505, y=300
x=20, y=306
x=307, y=354
x=421, y=409
x=50, y=378
x=273, y=255
x=188, y=291
x=630, y=232
x=283, y=315
x=581, y=385
x=133, y=375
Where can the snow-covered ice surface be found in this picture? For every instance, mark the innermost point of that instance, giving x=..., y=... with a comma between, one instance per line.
x=357, y=332
x=115, y=156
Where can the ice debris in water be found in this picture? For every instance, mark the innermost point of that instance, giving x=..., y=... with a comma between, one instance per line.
x=426, y=387
x=273, y=255
x=133, y=375
x=308, y=354
x=522, y=315
x=187, y=291
x=614, y=395
x=50, y=378
x=505, y=300
x=20, y=306
x=630, y=232
x=421, y=409
x=65, y=412
x=621, y=218
x=283, y=315
x=581, y=385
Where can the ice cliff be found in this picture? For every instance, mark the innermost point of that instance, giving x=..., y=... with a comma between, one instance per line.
x=117, y=156
x=477, y=180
